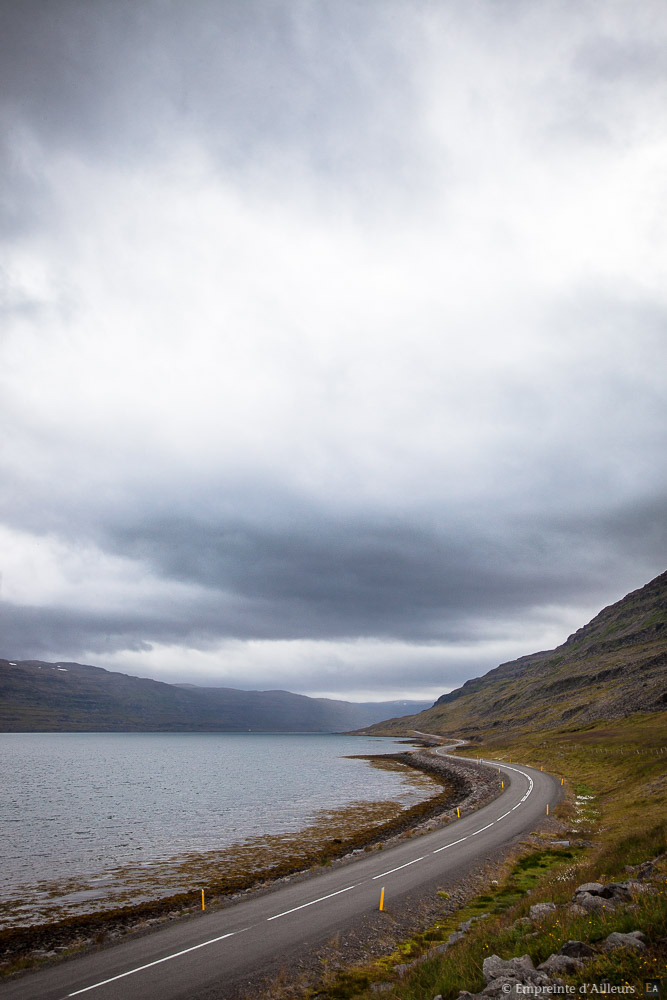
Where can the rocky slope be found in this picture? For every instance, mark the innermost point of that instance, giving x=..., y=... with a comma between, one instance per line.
x=612, y=667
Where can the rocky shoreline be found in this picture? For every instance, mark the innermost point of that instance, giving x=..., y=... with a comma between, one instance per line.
x=466, y=787
x=473, y=785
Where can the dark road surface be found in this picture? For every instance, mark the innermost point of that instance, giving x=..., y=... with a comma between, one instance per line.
x=207, y=956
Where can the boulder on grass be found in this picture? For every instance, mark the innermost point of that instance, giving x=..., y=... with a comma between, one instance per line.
x=540, y=910
x=595, y=904
x=560, y=965
x=577, y=949
x=595, y=888
x=620, y=891
x=495, y=967
x=618, y=940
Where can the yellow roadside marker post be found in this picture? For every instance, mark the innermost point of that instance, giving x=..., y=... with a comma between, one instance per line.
x=458, y=813
x=382, y=898
x=547, y=808
x=203, y=904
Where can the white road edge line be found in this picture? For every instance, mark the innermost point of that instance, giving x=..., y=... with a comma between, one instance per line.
x=168, y=958
x=312, y=902
x=392, y=870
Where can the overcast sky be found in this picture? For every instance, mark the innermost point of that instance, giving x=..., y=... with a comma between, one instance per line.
x=333, y=333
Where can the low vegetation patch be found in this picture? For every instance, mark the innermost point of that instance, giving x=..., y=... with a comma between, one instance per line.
x=499, y=924
x=614, y=811
x=481, y=912
x=513, y=934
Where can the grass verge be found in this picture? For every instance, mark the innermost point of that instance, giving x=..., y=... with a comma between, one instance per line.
x=615, y=808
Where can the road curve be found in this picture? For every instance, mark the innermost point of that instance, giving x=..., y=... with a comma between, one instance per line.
x=212, y=954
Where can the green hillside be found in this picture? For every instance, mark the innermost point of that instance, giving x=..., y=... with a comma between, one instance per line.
x=594, y=712
x=609, y=669
x=50, y=697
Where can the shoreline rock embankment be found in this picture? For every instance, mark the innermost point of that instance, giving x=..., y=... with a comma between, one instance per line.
x=473, y=785
x=466, y=786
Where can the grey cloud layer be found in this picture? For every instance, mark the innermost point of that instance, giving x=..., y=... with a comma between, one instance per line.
x=350, y=580
x=328, y=322
x=332, y=84
x=117, y=81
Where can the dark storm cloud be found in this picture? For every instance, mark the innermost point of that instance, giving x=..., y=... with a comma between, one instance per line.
x=345, y=579
x=398, y=578
x=349, y=579
x=337, y=580
x=34, y=632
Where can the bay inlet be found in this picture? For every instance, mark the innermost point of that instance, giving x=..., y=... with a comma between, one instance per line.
x=97, y=821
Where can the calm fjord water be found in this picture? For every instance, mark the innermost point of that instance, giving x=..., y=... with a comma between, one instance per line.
x=79, y=806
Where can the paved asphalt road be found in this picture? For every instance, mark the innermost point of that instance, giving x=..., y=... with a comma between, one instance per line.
x=203, y=957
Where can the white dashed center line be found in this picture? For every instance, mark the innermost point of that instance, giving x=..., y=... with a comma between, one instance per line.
x=311, y=903
x=320, y=899
x=438, y=849
x=168, y=958
x=489, y=825
x=392, y=870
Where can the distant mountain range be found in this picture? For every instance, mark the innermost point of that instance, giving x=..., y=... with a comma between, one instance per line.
x=611, y=668
x=69, y=697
